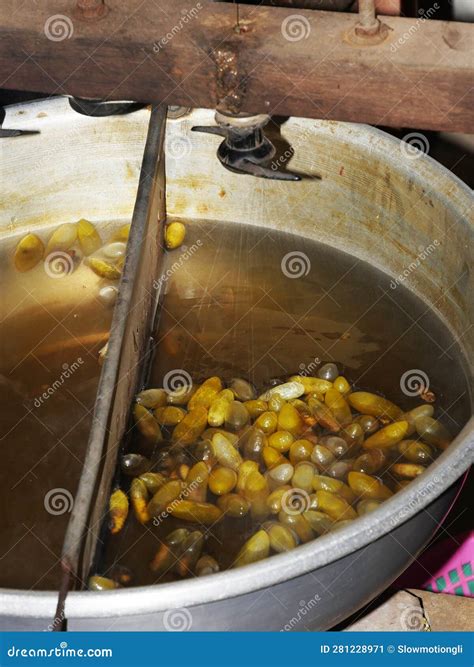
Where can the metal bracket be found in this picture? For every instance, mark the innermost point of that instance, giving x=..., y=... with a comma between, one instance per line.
x=4, y=133
x=246, y=149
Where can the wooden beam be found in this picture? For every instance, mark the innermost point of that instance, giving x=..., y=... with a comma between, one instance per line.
x=278, y=61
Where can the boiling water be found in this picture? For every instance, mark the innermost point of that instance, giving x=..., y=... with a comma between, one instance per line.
x=252, y=303
x=53, y=324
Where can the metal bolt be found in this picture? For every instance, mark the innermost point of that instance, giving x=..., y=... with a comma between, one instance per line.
x=91, y=10
x=368, y=22
x=175, y=111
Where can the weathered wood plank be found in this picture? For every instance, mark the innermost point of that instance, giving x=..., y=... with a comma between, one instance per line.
x=194, y=55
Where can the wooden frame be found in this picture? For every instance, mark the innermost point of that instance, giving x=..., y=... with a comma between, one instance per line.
x=272, y=60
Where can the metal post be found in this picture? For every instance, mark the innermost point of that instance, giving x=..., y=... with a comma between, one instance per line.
x=91, y=10
x=368, y=22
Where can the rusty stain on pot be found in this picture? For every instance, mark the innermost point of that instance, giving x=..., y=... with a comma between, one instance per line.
x=195, y=183
x=130, y=170
x=179, y=207
x=70, y=156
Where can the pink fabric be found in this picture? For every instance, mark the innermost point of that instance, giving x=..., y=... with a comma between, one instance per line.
x=440, y=568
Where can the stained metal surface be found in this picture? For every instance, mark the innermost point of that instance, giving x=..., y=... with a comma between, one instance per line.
x=374, y=202
x=49, y=178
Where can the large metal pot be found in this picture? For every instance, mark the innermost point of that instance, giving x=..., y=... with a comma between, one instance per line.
x=376, y=202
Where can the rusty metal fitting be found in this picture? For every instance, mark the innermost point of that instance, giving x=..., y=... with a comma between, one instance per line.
x=91, y=10
x=175, y=111
x=368, y=22
x=369, y=30
x=373, y=29
x=241, y=121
